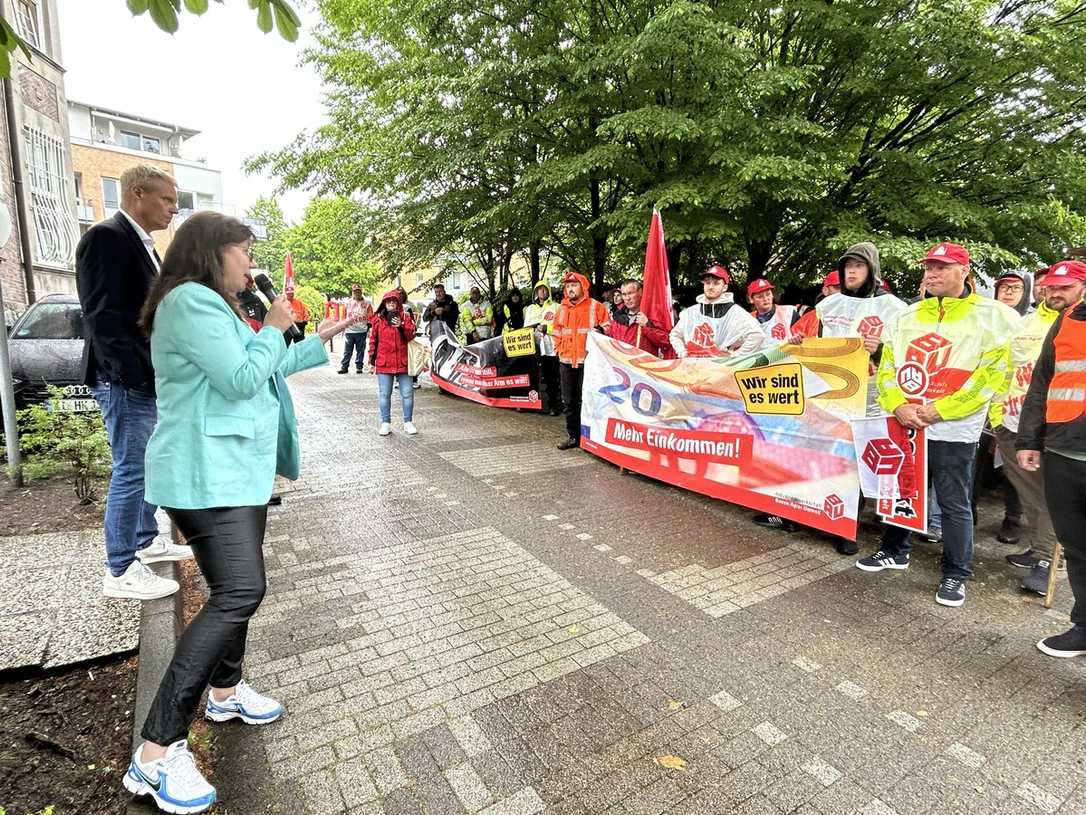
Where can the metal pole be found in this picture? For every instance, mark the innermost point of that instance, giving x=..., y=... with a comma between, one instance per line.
x=7, y=403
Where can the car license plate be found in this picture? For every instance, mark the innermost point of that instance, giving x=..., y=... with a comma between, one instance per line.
x=73, y=405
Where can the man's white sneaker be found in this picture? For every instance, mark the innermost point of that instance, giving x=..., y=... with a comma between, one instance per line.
x=174, y=782
x=409, y=429
x=245, y=704
x=386, y=428
x=138, y=583
x=161, y=550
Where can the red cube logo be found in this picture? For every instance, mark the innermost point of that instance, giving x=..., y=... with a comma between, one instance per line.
x=834, y=507
x=778, y=332
x=931, y=352
x=883, y=457
x=871, y=327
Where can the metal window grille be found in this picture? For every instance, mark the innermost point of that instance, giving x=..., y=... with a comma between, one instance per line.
x=55, y=226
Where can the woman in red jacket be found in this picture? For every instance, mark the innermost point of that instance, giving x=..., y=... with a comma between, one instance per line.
x=392, y=329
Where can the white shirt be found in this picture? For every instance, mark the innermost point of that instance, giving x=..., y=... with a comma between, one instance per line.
x=148, y=241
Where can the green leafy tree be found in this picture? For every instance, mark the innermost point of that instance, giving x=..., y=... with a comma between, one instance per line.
x=277, y=14
x=75, y=444
x=268, y=254
x=770, y=135
x=328, y=255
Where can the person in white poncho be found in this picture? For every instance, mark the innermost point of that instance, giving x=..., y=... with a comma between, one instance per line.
x=715, y=326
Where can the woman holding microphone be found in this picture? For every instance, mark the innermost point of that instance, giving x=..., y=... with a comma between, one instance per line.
x=225, y=427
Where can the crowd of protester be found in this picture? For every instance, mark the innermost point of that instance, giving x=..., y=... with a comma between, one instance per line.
x=189, y=367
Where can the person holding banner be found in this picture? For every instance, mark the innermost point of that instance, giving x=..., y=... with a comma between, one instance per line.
x=443, y=308
x=512, y=313
x=631, y=326
x=1052, y=440
x=715, y=326
x=390, y=332
x=1064, y=284
x=478, y=317
x=943, y=360
x=540, y=315
x=577, y=316
x=776, y=320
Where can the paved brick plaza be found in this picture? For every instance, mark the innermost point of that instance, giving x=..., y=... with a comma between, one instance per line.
x=472, y=621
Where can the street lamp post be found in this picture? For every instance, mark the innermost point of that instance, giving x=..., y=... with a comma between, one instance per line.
x=7, y=390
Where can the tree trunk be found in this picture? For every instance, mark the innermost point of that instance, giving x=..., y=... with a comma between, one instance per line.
x=599, y=240
x=534, y=250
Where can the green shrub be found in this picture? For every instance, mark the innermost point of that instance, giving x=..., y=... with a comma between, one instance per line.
x=56, y=441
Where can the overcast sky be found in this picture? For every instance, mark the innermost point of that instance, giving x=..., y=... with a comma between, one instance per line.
x=244, y=90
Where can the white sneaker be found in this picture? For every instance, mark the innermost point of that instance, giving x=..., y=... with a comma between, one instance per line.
x=174, y=782
x=161, y=549
x=245, y=704
x=138, y=583
x=386, y=428
x=409, y=429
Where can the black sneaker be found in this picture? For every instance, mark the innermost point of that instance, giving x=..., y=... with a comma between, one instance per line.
x=1010, y=531
x=1036, y=581
x=774, y=522
x=933, y=535
x=569, y=444
x=882, y=560
x=846, y=547
x=359, y=370
x=341, y=371
x=951, y=592
x=1069, y=644
x=1023, y=560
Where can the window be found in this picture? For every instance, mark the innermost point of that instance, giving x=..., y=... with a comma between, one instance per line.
x=151, y=145
x=129, y=139
x=79, y=186
x=205, y=201
x=186, y=200
x=29, y=22
x=50, y=185
x=52, y=321
x=111, y=195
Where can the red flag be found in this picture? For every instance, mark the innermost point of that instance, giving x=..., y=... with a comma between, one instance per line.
x=288, y=272
x=656, y=293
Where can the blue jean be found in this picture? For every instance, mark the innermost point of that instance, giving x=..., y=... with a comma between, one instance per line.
x=951, y=466
x=354, y=342
x=384, y=395
x=129, y=415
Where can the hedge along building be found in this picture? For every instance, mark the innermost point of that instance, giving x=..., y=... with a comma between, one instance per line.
x=36, y=181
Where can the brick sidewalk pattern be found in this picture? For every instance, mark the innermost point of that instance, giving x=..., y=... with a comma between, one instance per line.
x=470, y=621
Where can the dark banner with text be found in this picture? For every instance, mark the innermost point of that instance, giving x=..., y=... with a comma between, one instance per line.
x=500, y=372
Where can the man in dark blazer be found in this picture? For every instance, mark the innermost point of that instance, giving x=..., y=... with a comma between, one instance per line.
x=115, y=264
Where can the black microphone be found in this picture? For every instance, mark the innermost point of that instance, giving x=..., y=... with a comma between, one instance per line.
x=268, y=290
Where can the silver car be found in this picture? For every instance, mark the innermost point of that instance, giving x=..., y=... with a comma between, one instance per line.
x=46, y=346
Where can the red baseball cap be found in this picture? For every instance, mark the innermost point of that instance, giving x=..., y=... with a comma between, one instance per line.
x=947, y=253
x=716, y=270
x=1065, y=273
x=832, y=279
x=759, y=284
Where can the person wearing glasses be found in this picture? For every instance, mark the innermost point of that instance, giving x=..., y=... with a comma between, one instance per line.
x=226, y=427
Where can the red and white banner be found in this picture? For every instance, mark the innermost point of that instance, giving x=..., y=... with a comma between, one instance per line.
x=893, y=465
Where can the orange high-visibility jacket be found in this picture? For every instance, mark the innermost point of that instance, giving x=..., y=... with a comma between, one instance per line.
x=572, y=324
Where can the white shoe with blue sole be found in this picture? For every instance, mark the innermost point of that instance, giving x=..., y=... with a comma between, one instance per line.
x=245, y=704
x=174, y=782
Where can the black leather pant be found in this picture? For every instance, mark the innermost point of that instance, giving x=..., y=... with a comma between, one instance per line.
x=226, y=543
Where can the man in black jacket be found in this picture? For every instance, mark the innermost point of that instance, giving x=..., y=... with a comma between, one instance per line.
x=115, y=264
x=443, y=308
x=1052, y=431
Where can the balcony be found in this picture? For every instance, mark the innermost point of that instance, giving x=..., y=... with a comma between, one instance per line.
x=84, y=212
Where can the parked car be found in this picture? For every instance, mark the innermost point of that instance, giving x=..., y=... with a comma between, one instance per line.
x=46, y=346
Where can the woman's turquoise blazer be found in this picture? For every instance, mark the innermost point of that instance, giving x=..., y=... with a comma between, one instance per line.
x=226, y=423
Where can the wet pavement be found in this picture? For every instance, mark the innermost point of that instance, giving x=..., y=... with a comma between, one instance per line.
x=472, y=621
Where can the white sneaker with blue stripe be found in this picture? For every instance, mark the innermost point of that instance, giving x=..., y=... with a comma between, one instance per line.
x=173, y=781
x=245, y=704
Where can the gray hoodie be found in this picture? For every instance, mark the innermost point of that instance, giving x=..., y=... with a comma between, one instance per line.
x=869, y=254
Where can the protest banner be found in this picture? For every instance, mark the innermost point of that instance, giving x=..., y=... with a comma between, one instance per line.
x=770, y=431
x=893, y=469
x=484, y=372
